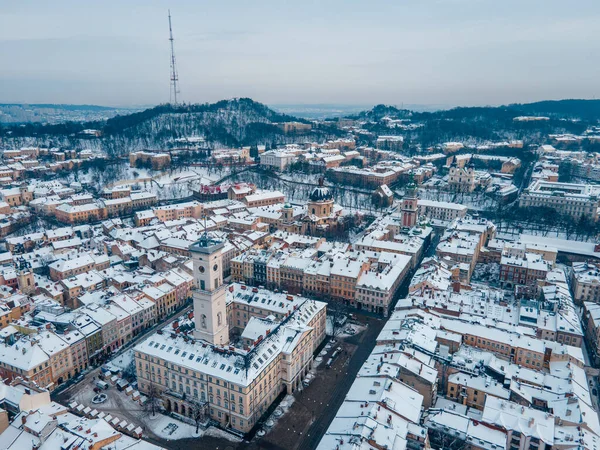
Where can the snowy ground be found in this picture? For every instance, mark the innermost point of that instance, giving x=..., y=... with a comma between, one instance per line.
x=200, y=175
x=297, y=187
x=280, y=411
x=556, y=233
x=176, y=183
x=350, y=330
x=170, y=429
x=347, y=330
x=476, y=201
x=121, y=361
x=169, y=184
x=118, y=404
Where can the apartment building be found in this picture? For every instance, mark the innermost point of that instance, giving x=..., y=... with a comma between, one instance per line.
x=165, y=298
x=77, y=264
x=585, y=282
x=362, y=280
x=518, y=271
x=372, y=177
x=26, y=360
x=591, y=323
x=264, y=199
x=85, y=213
x=178, y=211
x=570, y=199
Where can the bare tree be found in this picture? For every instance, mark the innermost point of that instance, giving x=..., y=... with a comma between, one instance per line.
x=337, y=314
x=153, y=400
x=198, y=412
x=445, y=441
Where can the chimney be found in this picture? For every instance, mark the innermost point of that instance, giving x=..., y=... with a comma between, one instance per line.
x=23, y=419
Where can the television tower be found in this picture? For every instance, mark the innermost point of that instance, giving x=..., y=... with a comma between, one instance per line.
x=174, y=77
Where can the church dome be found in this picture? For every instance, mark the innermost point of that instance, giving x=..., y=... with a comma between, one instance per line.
x=321, y=193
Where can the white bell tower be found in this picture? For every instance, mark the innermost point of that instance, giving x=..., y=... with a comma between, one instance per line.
x=209, y=293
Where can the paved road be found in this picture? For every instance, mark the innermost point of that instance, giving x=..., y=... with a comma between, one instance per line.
x=366, y=344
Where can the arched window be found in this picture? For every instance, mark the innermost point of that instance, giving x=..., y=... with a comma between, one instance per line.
x=313, y=210
x=203, y=320
x=219, y=318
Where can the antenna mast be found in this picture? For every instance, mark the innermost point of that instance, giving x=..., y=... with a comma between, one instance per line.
x=174, y=77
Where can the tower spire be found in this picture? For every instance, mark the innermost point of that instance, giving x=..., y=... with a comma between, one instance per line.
x=174, y=76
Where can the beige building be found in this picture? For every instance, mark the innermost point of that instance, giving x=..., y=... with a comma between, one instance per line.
x=585, y=282
x=157, y=161
x=89, y=212
x=178, y=211
x=461, y=179
x=233, y=386
x=294, y=127
x=16, y=196
x=264, y=198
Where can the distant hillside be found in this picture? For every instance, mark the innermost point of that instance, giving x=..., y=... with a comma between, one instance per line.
x=378, y=112
x=54, y=113
x=573, y=108
x=483, y=124
x=569, y=109
x=226, y=123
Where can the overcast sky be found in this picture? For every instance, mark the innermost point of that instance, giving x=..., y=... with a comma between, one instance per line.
x=450, y=52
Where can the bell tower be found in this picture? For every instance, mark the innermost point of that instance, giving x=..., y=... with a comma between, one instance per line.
x=209, y=292
x=410, y=205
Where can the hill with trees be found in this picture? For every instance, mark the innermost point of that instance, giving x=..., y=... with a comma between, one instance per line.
x=233, y=122
x=481, y=124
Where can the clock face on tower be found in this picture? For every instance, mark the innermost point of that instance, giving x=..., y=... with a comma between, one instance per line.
x=201, y=269
x=215, y=267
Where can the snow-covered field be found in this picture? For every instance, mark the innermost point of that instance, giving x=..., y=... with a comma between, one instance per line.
x=171, y=429
x=476, y=201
